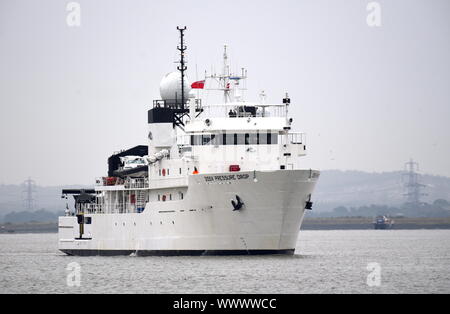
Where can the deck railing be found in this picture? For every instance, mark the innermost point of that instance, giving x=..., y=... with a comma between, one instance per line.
x=243, y=110
x=129, y=183
x=120, y=208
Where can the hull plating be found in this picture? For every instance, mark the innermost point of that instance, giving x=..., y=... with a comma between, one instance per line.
x=204, y=222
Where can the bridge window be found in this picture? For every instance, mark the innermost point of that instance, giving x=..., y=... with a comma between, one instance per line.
x=273, y=138
x=262, y=138
x=206, y=139
x=217, y=139
x=253, y=138
x=196, y=140
x=240, y=139
x=229, y=139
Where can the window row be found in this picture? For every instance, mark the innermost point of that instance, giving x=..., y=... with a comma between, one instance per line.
x=163, y=172
x=163, y=197
x=235, y=139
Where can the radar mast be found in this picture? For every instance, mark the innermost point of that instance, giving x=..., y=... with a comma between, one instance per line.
x=227, y=81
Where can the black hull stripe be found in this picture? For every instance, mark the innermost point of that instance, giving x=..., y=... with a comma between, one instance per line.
x=174, y=252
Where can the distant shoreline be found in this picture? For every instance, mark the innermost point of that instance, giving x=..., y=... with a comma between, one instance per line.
x=366, y=223
x=338, y=223
x=29, y=227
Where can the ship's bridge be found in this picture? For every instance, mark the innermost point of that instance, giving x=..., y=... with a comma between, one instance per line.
x=240, y=116
x=245, y=136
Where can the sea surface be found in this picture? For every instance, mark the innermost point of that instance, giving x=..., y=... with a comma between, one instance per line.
x=363, y=261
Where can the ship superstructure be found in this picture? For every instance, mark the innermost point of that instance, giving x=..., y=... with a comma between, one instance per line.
x=213, y=179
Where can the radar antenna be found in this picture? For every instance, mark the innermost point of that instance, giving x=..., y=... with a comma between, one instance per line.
x=227, y=81
x=182, y=67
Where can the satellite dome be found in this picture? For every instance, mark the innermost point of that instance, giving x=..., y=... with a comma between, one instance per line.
x=170, y=88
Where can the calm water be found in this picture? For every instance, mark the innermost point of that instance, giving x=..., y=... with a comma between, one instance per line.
x=411, y=261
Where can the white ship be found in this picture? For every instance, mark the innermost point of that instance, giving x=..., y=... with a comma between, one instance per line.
x=214, y=179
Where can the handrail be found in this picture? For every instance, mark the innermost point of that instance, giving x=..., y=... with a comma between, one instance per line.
x=121, y=208
x=244, y=109
x=129, y=183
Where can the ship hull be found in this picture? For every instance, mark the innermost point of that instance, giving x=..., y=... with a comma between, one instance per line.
x=175, y=252
x=205, y=221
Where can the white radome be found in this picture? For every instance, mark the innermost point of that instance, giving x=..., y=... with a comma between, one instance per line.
x=170, y=87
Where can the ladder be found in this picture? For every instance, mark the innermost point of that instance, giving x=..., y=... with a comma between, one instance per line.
x=140, y=200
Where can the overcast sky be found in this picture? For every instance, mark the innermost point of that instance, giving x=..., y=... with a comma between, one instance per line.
x=369, y=98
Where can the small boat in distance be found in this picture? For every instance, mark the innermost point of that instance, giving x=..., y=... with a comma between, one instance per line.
x=383, y=222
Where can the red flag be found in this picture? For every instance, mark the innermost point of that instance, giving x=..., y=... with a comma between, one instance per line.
x=198, y=84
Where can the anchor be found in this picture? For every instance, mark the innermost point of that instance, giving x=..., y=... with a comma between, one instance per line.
x=237, y=205
x=309, y=204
